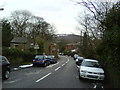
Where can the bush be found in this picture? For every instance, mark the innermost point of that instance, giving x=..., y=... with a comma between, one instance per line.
x=17, y=56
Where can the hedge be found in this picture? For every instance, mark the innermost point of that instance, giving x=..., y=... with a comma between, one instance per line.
x=17, y=56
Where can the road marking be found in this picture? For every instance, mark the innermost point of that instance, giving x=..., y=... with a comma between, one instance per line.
x=67, y=60
x=57, y=68
x=43, y=77
x=52, y=65
x=95, y=86
x=63, y=64
x=98, y=85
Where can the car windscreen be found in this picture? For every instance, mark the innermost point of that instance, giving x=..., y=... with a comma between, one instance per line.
x=90, y=64
x=39, y=57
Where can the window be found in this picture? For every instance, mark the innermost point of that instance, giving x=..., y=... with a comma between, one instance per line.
x=39, y=57
x=91, y=64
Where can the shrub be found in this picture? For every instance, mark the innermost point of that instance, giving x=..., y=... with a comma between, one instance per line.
x=17, y=56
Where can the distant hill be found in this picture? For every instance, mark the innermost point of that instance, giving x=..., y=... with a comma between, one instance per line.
x=70, y=38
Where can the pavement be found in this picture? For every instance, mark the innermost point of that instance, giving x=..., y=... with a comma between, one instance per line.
x=21, y=67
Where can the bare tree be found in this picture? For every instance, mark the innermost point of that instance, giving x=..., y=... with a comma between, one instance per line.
x=97, y=13
x=19, y=21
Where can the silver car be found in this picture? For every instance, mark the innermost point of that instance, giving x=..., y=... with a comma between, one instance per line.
x=91, y=69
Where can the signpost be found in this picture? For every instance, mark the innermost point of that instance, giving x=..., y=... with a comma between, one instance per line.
x=36, y=47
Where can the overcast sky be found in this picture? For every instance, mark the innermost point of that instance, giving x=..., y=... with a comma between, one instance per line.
x=61, y=13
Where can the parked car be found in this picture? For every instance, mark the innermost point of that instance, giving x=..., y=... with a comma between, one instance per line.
x=79, y=60
x=75, y=56
x=91, y=69
x=41, y=60
x=5, y=64
x=52, y=59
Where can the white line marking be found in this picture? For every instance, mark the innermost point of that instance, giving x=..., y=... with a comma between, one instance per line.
x=95, y=86
x=43, y=77
x=57, y=68
x=52, y=65
x=63, y=64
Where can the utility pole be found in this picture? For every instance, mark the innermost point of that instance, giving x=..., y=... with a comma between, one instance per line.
x=1, y=9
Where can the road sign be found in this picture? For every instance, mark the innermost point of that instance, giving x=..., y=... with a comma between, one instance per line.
x=36, y=46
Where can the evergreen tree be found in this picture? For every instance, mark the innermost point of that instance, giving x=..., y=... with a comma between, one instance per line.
x=6, y=33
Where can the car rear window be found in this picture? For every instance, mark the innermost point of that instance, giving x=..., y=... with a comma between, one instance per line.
x=50, y=57
x=39, y=57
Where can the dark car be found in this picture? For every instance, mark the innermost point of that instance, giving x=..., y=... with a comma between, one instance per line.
x=52, y=59
x=79, y=60
x=41, y=60
x=5, y=64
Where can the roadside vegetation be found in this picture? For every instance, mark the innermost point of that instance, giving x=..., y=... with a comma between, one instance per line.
x=18, y=57
x=101, y=36
x=99, y=27
x=23, y=23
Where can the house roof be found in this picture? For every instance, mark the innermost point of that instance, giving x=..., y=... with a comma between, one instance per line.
x=19, y=40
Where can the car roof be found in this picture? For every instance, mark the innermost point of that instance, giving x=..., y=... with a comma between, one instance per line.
x=91, y=60
x=2, y=56
x=80, y=57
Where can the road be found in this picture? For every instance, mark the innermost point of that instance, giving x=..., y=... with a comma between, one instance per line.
x=63, y=74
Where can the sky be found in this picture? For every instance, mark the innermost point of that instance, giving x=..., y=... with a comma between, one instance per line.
x=61, y=13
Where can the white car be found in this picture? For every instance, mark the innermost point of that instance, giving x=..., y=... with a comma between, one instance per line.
x=91, y=69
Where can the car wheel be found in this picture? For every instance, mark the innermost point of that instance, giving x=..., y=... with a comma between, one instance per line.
x=79, y=76
x=6, y=74
x=34, y=65
x=45, y=64
x=48, y=63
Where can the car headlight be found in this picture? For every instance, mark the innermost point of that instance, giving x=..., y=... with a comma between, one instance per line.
x=83, y=71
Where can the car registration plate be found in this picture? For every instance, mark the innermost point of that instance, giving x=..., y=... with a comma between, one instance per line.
x=37, y=61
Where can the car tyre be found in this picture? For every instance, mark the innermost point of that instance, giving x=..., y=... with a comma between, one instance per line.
x=80, y=77
x=34, y=65
x=48, y=63
x=6, y=74
x=45, y=64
